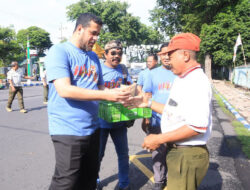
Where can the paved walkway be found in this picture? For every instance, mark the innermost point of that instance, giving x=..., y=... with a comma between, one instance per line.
x=238, y=97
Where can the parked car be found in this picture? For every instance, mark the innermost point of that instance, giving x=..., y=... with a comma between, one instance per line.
x=134, y=73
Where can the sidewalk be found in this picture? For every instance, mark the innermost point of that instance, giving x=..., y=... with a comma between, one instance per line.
x=239, y=98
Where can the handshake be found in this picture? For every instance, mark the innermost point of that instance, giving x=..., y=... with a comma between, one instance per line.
x=129, y=97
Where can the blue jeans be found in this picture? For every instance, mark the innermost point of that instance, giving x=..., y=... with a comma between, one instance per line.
x=119, y=137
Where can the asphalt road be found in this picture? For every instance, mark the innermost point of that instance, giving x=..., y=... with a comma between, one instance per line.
x=27, y=155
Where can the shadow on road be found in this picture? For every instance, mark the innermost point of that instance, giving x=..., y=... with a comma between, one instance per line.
x=138, y=180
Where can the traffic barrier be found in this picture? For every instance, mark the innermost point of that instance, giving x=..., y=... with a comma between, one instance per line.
x=233, y=111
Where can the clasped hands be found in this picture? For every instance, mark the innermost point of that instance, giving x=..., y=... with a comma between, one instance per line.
x=151, y=142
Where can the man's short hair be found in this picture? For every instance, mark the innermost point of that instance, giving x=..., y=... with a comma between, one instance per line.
x=13, y=64
x=85, y=18
x=155, y=57
x=165, y=44
x=113, y=44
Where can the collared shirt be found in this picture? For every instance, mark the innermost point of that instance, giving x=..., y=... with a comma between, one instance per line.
x=15, y=76
x=190, y=104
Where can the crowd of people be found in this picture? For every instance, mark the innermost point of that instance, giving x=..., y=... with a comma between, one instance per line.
x=177, y=91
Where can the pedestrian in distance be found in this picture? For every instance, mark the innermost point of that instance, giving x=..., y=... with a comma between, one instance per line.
x=113, y=76
x=186, y=122
x=14, y=77
x=45, y=86
x=152, y=60
x=158, y=85
x=75, y=86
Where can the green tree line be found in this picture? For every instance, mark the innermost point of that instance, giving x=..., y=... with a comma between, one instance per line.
x=217, y=22
x=13, y=46
x=118, y=23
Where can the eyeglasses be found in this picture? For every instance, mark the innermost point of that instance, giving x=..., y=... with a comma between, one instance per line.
x=113, y=53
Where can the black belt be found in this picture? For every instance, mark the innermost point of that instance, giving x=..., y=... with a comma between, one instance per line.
x=173, y=145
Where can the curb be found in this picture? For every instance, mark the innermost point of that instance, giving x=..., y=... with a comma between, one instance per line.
x=25, y=85
x=233, y=111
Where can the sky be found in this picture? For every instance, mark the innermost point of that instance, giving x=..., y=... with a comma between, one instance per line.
x=50, y=15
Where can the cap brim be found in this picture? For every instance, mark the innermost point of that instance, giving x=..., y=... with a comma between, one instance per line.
x=167, y=50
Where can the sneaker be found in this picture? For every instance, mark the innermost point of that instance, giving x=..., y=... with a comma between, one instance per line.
x=23, y=111
x=45, y=102
x=159, y=186
x=125, y=188
x=8, y=109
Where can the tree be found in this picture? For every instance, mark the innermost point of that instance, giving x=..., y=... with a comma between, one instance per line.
x=216, y=22
x=9, y=48
x=39, y=39
x=173, y=16
x=118, y=23
x=218, y=38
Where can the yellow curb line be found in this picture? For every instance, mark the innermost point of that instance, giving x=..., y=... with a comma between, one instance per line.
x=144, y=169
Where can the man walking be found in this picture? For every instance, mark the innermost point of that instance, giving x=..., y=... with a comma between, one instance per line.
x=113, y=76
x=75, y=84
x=158, y=85
x=14, y=77
x=45, y=86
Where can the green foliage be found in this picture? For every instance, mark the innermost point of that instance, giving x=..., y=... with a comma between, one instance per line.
x=216, y=22
x=173, y=16
x=9, y=48
x=118, y=23
x=2, y=76
x=218, y=38
x=39, y=39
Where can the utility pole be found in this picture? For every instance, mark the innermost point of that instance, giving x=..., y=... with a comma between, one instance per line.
x=61, y=30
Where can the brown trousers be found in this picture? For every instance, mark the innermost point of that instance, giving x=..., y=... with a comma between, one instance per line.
x=19, y=92
x=45, y=93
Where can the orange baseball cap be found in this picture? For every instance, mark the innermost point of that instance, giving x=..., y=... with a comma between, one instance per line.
x=183, y=41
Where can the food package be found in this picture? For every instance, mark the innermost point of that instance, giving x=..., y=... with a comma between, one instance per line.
x=131, y=88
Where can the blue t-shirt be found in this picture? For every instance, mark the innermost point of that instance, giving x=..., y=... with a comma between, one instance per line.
x=142, y=77
x=113, y=78
x=159, y=83
x=68, y=116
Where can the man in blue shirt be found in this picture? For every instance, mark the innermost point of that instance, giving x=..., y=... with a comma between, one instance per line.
x=75, y=82
x=158, y=84
x=113, y=76
x=151, y=64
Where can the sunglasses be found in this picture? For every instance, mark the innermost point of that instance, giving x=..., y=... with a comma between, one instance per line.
x=113, y=53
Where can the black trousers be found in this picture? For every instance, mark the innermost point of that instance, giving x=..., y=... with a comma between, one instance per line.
x=76, y=162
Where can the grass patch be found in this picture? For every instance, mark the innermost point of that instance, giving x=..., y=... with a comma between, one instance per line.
x=243, y=134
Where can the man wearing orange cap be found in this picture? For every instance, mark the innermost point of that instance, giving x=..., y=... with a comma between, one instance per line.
x=186, y=121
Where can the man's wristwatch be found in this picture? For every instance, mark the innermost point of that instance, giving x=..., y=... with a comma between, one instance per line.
x=149, y=103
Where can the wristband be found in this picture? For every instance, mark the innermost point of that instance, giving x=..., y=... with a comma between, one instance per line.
x=149, y=103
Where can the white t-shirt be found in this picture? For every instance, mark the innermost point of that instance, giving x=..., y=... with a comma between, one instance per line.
x=190, y=103
x=15, y=76
x=43, y=75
